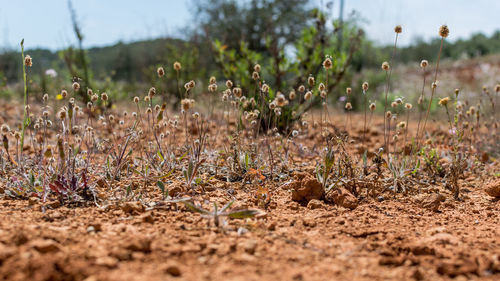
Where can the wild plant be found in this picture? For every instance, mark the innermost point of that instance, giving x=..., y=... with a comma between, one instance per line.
x=218, y=214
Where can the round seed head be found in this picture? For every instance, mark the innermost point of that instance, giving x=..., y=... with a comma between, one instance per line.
x=160, y=71
x=308, y=95
x=424, y=63
x=444, y=31
x=385, y=66
x=327, y=63
x=28, y=61
x=365, y=86
x=177, y=66
x=398, y=29
x=444, y=101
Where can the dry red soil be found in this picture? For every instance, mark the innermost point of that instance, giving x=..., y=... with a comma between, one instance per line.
x=419, y=236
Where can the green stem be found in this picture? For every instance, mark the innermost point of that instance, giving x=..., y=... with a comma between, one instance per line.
x=25, y=114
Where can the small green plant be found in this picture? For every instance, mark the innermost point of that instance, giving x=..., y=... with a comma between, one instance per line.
x=216, y=214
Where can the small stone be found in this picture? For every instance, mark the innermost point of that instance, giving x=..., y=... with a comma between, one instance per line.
x=272, y=226
x=173, y=269
x=493, y=189
x=314, y=204
x=138, y=244
x=33, y=201
x=54, y=204
x=249, y=246
x=94, y=227
x=45, y=246
x=310, y=222
x=132, y=207
x=147, y=218
x=306, y=189
x=343, y=198
x=107, y=261
x=431, y=201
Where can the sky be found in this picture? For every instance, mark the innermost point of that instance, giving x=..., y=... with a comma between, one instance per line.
x=47, y=23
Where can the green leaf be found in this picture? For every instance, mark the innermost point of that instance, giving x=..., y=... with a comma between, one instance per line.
x=194, y=208
x=243, y=214
x=229, y=204
x=161, y=186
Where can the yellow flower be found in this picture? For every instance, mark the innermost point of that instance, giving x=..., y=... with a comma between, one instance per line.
x=444, y=101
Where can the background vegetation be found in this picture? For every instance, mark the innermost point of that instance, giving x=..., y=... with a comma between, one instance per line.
x=289, y=38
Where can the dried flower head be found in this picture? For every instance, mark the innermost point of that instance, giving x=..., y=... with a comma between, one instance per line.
x=45, y=97
x=5, y=129
x=327, y=63
x=89, y=92
x=229, y=84
x=237, y=92
x=64, y=94
x=177, y=66
x=28, y=61
x=365, y=86
x=348, y=90
x=385, y=66
x=255, y=75
x=212, y=88
x=212, y=80
x=272, y=105
x=424, y=63
x=444, y=101
x=301, y=88
x=388, y=115
x=323, y=94
x=497, y=88
x=398, y=29
x=160, y=71
x=76, y=86
x=265, y=88
x=444, y=31
x=408, y=106
x=372, y=106
x=311, y=81
x=292, y=95
x=256, y=68
x=348, y=106
x=62, y=114
x=152, y=92
x=434, y=85
x=104, y=97
x=321, y=87
x=308, y=95
x=402, y=124
x=136, y=99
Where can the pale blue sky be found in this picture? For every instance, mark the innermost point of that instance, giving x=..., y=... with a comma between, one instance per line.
x=46, y=23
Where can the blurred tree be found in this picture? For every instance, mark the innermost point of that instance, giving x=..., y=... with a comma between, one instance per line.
x=232, y=21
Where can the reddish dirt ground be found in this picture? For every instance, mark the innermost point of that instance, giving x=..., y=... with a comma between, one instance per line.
x=395, y=239
x=387, y=237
